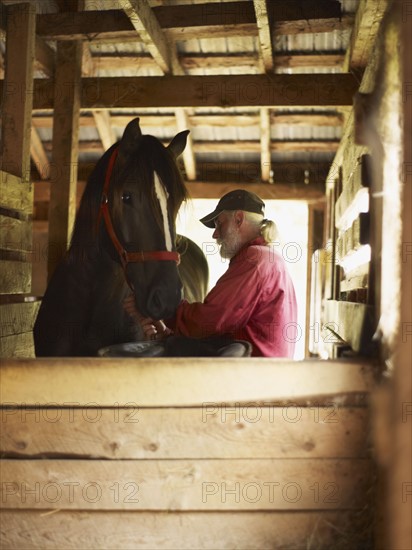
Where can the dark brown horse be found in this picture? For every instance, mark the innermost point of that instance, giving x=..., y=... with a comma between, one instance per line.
x=123, y=241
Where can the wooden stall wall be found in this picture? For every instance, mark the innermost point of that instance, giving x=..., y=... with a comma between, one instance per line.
x=176, y=454
x=16, y=191
x=360, y=260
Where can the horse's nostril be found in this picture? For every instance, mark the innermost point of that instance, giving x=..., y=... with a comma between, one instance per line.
x=161, y=303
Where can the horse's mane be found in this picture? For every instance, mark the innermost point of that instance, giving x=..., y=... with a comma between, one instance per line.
x=150, y=156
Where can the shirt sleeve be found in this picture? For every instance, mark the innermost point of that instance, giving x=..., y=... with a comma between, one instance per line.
x=227, y=307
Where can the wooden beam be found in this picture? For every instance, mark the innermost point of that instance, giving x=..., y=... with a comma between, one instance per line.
x=189, y=159
x=240, y=120
x=104, y=128
x=297, y=90
x=265, y=144
x=150, y=32
x=264, y=33
x=324, y=146
x=367, y=21
x=45, y=57
x=17, y=104
x=65, y=149
x=193, y=61
x=213, y=177
x=147, y=382
x=39, y=156
x=196, y=21
x=278, y=191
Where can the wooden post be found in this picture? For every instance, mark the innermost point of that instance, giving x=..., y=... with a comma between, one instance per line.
x=17, y=92
x=401, y=463
x=63, y=177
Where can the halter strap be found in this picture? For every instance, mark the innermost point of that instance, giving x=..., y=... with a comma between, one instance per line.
x=125, y=256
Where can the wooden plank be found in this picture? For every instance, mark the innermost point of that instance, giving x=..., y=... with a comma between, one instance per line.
x=265, y=145
x=192, y=61
x=65, y=149
x=151, y=34
x=352, y=239
x=30, y=529
x=38, y=155
x=17, y=345
x=400, y=533
x=45, y=57
x=365, y=29
x=355, y=279
x=226, y=485
x=230, y=19
x=239, y=431
x=15, y=234
x=104, y=127
x=355, y=191
x=16, y=105
x=351, y=321
x=17, y=318
x=147, y=381
x=207, y=91
x=243, y=120
x=15, y=194
x=189, y=158
x=230, y=146
x=15, y=277
x=264, y=33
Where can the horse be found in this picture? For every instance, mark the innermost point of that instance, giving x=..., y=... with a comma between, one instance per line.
x=123, y=241
x=193, y=269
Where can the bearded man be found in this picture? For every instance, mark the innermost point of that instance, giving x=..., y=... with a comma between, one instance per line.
x=254, y=300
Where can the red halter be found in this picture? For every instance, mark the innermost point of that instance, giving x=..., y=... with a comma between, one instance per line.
x=125, y=256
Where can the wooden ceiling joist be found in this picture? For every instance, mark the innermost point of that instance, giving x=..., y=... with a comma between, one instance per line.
x=368, y=18
x=188, y=155
x=196, y=20
x=192, y=61
x=264, y=33
x=265, y=147
x=39, y=156
x=243, y=146
x=237, y=120
x=145, y=23
x=104, y=128
x=207, y=91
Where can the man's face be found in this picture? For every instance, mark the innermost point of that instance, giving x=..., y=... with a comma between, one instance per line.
x=226, y=235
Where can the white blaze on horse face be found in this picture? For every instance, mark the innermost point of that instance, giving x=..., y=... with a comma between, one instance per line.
x=162, y=195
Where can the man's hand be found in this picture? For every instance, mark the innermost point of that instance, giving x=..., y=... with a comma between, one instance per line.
x=152, y=330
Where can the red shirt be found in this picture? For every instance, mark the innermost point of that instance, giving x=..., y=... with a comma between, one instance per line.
x=254, y=301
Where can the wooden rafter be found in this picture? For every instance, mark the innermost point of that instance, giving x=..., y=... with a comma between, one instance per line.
x=38, y=155
x=264, y=33
x=193, y=61
x=189, y=158
x=197, y=20
x=164, y=54
x=265, y=160
x=104, y=127
x=145, y=23
x=368, y=18
x=245, y=146
x=240, y=120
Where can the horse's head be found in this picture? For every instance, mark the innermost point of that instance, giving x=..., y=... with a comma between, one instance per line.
x=142, y=194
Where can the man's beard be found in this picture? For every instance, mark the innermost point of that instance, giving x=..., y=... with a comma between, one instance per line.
x=231, y=244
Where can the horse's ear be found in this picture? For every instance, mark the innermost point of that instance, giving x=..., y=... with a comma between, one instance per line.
x=178, y=143
x=130, y=138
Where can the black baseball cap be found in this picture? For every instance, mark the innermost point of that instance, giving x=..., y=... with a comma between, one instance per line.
x=239, y=199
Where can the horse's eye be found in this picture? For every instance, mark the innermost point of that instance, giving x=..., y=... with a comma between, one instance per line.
x=127, y=198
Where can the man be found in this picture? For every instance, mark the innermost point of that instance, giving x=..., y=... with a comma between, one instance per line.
x=255, y=299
